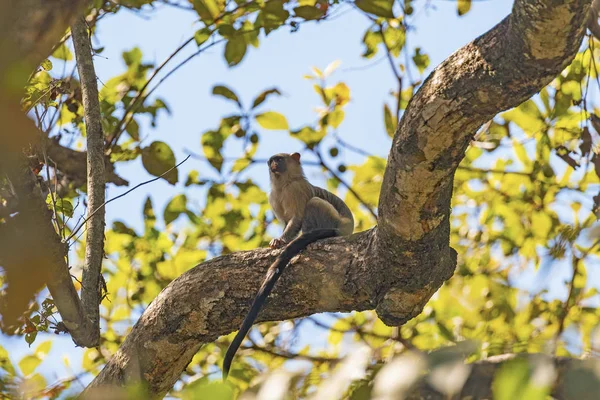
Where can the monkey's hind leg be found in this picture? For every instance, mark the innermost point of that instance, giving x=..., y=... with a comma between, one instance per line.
x=320, y=214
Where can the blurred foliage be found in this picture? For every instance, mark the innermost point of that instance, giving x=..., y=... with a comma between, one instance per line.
x=524, y=212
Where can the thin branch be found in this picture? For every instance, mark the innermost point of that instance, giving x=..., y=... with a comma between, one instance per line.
x=346, y=185
x=128, y=115
x=122, y=195
x=494, y=171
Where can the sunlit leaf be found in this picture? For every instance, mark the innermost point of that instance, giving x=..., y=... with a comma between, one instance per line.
x=62, y=52
x=157, y=159
x=28, y=364
x=463, y=6
x=175, y=208
x=381, y=8
x=272, y=120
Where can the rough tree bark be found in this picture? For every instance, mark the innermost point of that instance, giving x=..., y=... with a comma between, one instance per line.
x=91, y=291
x=396, y=267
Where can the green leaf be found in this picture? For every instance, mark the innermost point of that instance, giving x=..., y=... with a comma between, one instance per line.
x=202, y=35
x=272, y=120
x=309, y=136
x=194, y=179
x=371, y=41
x=175, y=208
x=235, y=50
x=30, y=337
x=381, y=8
x=309, y=12
x=420, y=60
x=212, y=143
x=224, y=91
x=133, y=130
x=226, y=30
x=263, y=96
x=133, y=56
x=463, y=6
x=272, y=16
x=62, y=52
x=159, y=158
x=149, y=215
x=208, y=10
x=63, y=206
x=28, y=364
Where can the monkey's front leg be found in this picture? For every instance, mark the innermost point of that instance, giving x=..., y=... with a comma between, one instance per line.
x=289, y=233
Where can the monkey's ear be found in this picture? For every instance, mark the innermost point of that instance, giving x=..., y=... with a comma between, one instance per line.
x=295, y=156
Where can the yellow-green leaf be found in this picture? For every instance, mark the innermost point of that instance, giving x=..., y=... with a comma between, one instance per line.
x=335, y=117
x=28, y=364
x=157, y=159
x=62, y=52
x=202, y=35
x=272, y=120
x=235, y=50
x=175, y=208
x=43, y=349
x=463, y=6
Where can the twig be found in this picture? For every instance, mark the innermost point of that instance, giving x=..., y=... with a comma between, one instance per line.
x=126, y=119
x=292, y=356
x=121, y=195
x=494, y=171
x=346, y=185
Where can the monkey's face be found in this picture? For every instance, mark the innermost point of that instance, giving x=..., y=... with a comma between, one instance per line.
x=278, y=164
x=285, y=164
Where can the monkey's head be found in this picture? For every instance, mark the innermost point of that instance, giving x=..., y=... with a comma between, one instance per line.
x=283, y=164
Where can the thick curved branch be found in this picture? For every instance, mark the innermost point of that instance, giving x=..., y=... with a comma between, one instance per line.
x=398, y=267
x=212, y=299
x=497, y=71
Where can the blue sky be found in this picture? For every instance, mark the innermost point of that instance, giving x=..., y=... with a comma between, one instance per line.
x=282, y=60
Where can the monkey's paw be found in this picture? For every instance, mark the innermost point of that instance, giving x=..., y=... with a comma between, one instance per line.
x=276, y=243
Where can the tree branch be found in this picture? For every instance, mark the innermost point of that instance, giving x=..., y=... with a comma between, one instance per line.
x=91, y=292
x=72, y=163
x=331, y=275
x=497, y=71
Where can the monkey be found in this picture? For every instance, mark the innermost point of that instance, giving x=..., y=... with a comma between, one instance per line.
x=316, y=212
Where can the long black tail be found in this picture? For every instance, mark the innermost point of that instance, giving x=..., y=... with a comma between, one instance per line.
x=273, y=274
